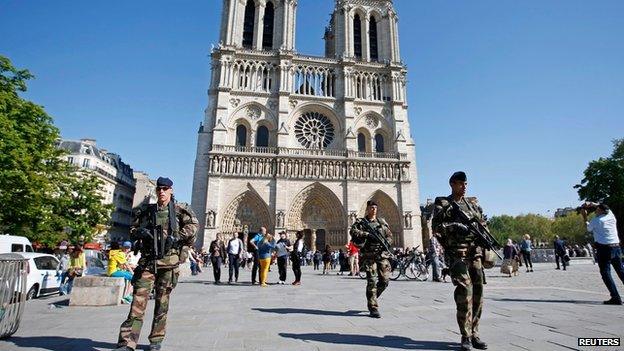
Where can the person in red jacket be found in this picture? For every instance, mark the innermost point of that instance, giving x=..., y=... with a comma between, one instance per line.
x=354, y=262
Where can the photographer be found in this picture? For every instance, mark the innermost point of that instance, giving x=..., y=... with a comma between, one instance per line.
x=608, y=251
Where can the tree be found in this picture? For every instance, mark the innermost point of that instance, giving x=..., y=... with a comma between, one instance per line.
x=507, y=227
x=571, y=228
x=603, y=181
x=40, y=193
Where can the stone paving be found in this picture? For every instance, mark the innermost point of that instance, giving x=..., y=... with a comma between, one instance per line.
x=544, y=310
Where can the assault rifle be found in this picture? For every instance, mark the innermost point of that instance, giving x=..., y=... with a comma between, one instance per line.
x=152, y=241
x=484, y=237
x=377, y=236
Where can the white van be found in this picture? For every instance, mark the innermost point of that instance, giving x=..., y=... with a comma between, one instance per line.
x=13, y=243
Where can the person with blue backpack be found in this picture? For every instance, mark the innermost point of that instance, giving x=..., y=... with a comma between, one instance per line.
x=525, y=248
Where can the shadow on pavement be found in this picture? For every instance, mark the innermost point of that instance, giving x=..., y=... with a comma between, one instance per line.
x=576, y=302
x=58, y=343
x=391, y=341
x=350, y=313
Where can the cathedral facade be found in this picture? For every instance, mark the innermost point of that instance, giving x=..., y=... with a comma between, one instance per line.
x=296, y=142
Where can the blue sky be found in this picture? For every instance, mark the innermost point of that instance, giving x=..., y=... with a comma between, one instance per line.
x=519, y=94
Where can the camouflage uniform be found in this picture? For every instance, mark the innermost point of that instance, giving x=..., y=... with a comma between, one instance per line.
x=164, y=280
x=373, y=259
x=465, y=258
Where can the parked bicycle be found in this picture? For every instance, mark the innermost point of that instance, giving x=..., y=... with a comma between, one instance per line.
x=413, y=266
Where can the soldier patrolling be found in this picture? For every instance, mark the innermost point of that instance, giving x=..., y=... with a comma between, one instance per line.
x=160, y=270
x=466, y=257
x=374, y=238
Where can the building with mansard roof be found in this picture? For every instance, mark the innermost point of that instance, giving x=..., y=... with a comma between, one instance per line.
x=297, y=142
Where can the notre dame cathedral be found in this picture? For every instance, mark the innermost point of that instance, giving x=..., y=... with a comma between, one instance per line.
x=296, y=142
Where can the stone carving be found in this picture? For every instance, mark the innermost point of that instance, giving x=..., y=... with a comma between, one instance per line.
x=386, y=112
x=352, y=217
x=210, y=219
x=294, y=103
x=408, y=220
x=314, y=130
x=253, y=112
x=234, y=102
x=371, y=121
x=273, y=105
x=357, y=110
x=279, y=219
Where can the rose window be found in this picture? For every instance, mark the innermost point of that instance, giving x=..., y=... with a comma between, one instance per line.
x=314, y=130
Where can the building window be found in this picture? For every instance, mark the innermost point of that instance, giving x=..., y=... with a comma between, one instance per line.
x=267, y=34
x=374, y=51
x=379, y=143
x=241, y=135
x=357, y=36
x=70, y=160
x=262, y=137
x=314, y=130
x=361, y=142
x=248, y=25
x=86, y=163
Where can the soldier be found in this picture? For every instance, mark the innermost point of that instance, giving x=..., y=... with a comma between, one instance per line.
x=179, y=226
x=466, y=266
x=374, y=254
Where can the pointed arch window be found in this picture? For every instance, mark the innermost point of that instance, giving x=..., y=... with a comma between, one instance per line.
x=374, y=47
x=269, y=18
x=262, y=137
x=248, y=25
x=357, y=36
x=361, y=142
x=241, y=136
x=379, y=143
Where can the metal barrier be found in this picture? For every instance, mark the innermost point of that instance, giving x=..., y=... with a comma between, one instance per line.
x=13, y=272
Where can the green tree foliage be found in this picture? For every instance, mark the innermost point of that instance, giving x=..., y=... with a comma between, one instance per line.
x=540, y=228
x=40, y=194
x=603, y=181
x=572, y=228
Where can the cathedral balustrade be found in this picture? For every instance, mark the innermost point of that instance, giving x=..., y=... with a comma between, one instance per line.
x=286, y=151
x=298, y=167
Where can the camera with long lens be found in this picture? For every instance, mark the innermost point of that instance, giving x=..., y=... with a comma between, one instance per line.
x=587, y=206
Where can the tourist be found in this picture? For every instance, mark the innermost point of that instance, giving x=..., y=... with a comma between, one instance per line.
x=435, y=253
x=525, y=248
x=265, y=248
x=608, y=250
x=327, y=258
x=77, y=266
x=193, y=261
x=560, y=252
x=253, y=248
x=283, y=249
x=132, y=260
x=118, y=268
x=63, y=270
x=316, y=259
x=234, y=252
x=217, y=254
x=354, y=265
x=343, y=262
x=510, y=264
x=297, y=256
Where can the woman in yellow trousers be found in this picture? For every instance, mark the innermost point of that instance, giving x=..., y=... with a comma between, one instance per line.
x=265, y=248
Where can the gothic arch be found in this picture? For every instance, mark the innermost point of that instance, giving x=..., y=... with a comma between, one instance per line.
x=243, y=112
x=247, y=208
x=389, y=211
x=316, y=206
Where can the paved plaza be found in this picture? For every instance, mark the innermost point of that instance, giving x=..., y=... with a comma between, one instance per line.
x=545, y=310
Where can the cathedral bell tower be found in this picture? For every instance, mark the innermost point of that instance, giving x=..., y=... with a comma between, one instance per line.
x=259, y=24
x=364, y=30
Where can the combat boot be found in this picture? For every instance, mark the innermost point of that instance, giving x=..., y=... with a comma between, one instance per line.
x=124, y=348
x=375, y=314
x=478, y=344
x=466, y=345
x=155, y=347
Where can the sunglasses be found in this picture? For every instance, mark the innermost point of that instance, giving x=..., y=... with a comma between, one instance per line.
x=162, y=188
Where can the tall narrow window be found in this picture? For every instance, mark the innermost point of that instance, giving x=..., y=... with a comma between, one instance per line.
x=357, y=36
x=379, y=143
x=248, y=26
x=262, y=137
x=241, y=135
x=361, y=142
x=374, y=51
x=267, y=35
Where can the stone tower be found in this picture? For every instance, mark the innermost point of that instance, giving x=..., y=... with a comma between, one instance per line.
x=296, y=142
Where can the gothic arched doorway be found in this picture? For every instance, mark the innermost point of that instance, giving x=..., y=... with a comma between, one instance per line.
x=247, y=211
x=319, y=213
x=388, y=210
